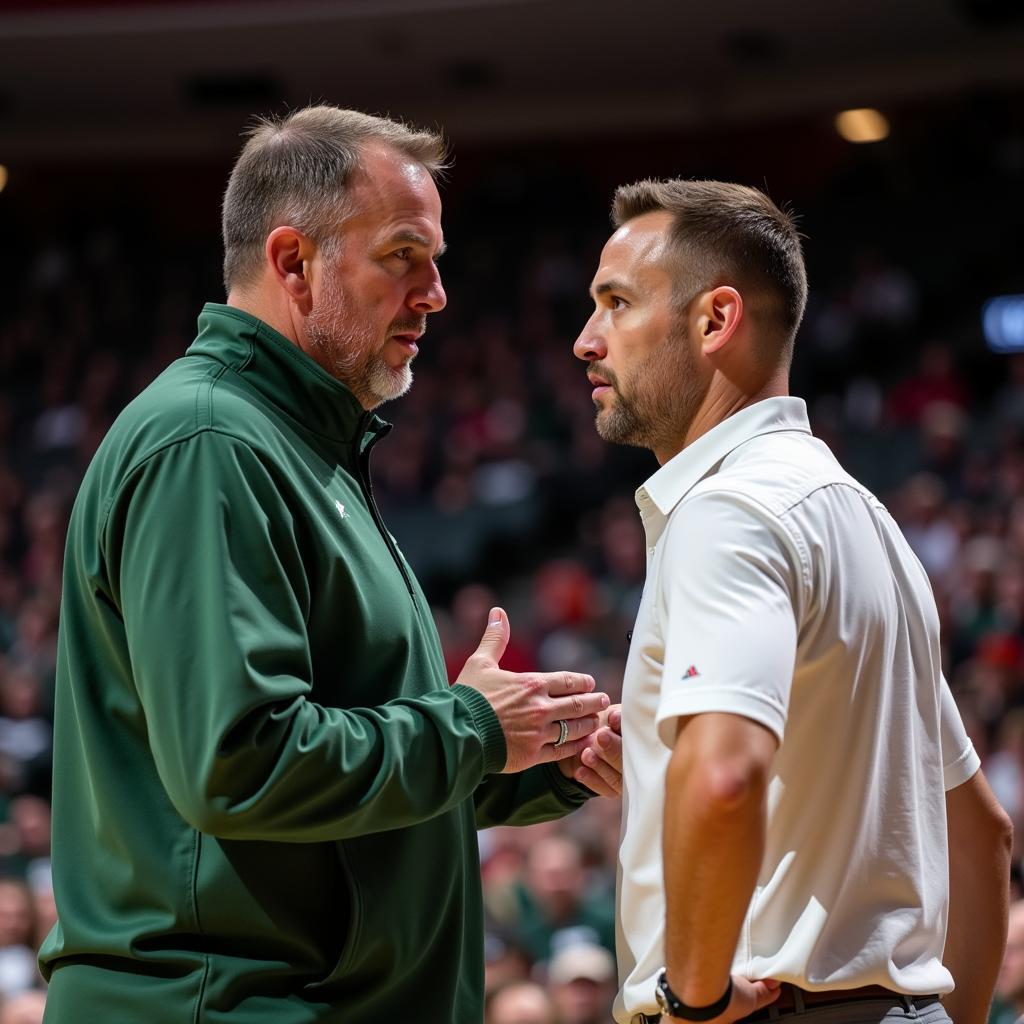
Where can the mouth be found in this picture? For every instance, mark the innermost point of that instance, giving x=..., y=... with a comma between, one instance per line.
x=408, y=341
x=601, y=386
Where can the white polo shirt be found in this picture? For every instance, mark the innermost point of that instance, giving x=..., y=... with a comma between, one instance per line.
x=780, y=589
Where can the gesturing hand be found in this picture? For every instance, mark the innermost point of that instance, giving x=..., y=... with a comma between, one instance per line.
x=529, y=705
x=599, y=765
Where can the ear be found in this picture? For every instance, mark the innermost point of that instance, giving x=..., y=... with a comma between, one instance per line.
x=289, y=254
x=719, y=315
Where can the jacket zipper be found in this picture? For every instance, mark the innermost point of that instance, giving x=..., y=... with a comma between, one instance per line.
x=363, y=462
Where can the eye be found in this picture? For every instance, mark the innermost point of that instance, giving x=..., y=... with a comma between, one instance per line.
x=403, y=254
x=617, y=302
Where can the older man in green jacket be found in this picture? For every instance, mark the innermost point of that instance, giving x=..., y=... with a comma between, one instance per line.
x=266, y=792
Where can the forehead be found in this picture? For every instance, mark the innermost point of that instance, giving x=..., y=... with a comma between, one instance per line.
x=636, y=251
x=390, y=190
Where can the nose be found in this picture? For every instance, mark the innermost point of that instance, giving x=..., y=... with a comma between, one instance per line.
x=589, y=346
x=429, y=297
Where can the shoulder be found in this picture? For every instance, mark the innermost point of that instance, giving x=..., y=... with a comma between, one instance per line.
x=178, y=409
x=192, y=397
x=717, y=525
x=779, y=472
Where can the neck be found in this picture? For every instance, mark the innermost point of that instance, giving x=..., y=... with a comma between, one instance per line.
x=723, y=400
x=256, y=304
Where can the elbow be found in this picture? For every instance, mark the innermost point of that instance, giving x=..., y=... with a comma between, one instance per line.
x=721, y=765
x=203, y=816
x=731, y=786
x=1004, y=832
x=722, y=788
x=204, y=809
x=997, y=826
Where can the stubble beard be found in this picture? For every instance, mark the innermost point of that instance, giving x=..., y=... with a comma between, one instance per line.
x=664, y=394
x=350, y=351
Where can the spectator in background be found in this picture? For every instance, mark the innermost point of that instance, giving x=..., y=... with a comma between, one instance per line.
x=581, y=979
x=521, y=1002
x=943, y=440
x=883, y=295
x=26, y=1008
x=972, y=596
x=936, y=381
x=25, y=734
x=505, y=960
x=555, y=905
x=926, y=525
x=10, y=596
x=30, y=822
x=993, y=675
x=45, y=522
x=44, y=907
x=1008, y=407
x=1004, y=769
x=18, y=970
x=564, y=595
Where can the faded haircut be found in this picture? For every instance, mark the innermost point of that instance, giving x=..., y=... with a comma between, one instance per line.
x=724, y=233
x=294, y=170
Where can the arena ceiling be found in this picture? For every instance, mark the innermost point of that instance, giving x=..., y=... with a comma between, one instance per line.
x=153, y=77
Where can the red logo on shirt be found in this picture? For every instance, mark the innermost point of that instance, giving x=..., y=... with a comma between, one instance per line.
x=691, y=672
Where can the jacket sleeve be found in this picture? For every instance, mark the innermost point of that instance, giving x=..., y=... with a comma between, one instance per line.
x=207, y=571
x=537, y=794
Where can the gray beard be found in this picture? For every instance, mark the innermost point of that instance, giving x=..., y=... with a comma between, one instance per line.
x=346, y=351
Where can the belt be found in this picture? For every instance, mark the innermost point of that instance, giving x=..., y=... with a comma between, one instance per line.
x=796, y=1000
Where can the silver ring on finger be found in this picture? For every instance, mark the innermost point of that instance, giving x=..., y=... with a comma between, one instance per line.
x=563, y=732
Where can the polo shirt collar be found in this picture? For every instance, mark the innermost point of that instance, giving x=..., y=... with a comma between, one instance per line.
x=284, y=375
x=673, y=481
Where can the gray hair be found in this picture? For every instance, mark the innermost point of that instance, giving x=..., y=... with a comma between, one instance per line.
x=723, y=233
x=294, y=170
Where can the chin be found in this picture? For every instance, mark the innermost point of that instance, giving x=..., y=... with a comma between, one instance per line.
x=392, y=383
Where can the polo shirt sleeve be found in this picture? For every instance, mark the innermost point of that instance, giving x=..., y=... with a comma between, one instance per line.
x=728, y=584
x=960, y=761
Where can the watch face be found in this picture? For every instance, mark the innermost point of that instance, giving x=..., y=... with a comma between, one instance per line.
x=660, y=997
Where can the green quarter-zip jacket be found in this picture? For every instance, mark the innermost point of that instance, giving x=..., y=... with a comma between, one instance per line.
x=265, y=791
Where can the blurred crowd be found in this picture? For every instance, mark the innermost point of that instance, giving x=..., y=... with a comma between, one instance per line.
x=500, y=492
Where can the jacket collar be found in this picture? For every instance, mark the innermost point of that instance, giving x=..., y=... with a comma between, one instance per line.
x=673, y=481
x=283, y=374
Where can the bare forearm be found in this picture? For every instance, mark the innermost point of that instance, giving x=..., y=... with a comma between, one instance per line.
x=979, y=874
x=713, y=844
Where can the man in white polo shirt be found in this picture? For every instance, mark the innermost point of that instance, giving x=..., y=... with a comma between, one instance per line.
x=803, y=813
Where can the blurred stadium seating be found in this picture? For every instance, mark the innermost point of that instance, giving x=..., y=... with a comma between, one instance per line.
x=495, y=483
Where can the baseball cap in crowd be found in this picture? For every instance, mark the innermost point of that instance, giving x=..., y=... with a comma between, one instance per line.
x=587, y=962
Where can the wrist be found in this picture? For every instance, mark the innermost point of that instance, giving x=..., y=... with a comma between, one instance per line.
x=674, y=1007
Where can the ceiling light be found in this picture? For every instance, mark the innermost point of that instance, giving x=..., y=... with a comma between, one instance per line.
x=862, y=125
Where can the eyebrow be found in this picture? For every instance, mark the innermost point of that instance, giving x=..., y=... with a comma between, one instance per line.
x=417, y=239
x=611, y=286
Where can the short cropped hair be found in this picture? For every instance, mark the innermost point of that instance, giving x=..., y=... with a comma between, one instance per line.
x=724, y=233
x=294, y=170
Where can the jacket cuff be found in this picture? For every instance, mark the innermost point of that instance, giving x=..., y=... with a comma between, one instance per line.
x=488, y=728
x=568, y=790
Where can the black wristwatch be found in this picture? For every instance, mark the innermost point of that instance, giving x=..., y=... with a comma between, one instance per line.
x=672, y=1006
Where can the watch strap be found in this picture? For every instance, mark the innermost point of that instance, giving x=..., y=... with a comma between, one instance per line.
x=677, y=1008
